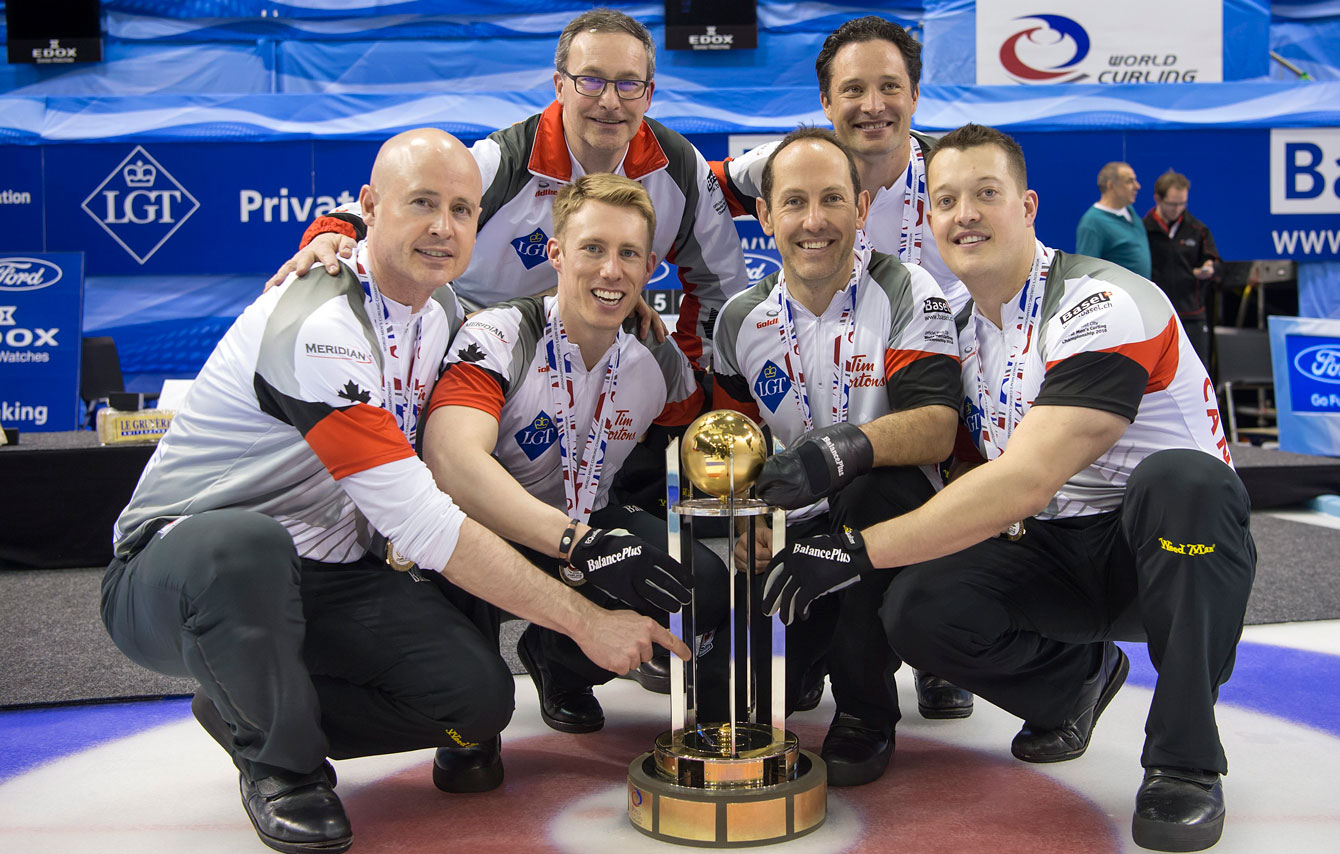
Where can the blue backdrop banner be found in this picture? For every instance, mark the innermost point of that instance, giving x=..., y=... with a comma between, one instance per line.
x=1305, y=355
x=41, y=317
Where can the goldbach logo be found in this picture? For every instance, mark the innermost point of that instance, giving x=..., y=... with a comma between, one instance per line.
x=140, y=204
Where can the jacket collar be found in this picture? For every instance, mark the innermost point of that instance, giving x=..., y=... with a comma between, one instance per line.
x=550, y=157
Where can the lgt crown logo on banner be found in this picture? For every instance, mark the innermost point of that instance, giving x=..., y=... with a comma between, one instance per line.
x=140, y=204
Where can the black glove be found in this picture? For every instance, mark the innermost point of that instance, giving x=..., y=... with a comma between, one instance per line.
x=820, y=463
x=630, y=569
x=813, y=567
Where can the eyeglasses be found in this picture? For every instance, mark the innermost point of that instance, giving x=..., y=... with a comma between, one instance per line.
x=594, y=87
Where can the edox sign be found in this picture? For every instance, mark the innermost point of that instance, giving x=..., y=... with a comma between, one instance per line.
x=140, y=204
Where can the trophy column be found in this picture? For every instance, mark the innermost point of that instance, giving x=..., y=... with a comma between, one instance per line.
x=744, y=781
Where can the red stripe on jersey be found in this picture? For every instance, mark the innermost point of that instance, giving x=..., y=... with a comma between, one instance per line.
x=348, y=441
x=722, y=399
x=467, y=385
x=681, y=412
x=327, y=225
x=686, y=328
x=1157, y=355
x=719, y=169
x=896, y=360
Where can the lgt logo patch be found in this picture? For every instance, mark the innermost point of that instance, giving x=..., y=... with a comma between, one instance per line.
x=531, y=248
x=771, y=386
x=535, y=438
x=140, y=204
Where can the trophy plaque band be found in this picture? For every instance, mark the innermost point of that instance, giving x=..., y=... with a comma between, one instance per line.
x=743, y=782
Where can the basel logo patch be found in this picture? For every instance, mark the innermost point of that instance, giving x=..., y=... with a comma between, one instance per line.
x=1095, y=302
x=936, y=305
x=771, y=386
x=531, y=248
x=535, y=438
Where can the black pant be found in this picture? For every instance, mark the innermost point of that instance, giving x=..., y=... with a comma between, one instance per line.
x=1022, y=624
x=844, y=628
x=305, y=659
x=568, y=666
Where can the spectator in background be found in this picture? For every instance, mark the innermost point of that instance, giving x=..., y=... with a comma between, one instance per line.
x=1111, y=229
x=1185, y=262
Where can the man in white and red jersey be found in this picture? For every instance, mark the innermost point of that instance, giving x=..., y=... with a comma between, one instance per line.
x=253, y=555
x=603, y=83
x=540, y=403
x=1106, y=461
x=849, y=357
x=869, y=72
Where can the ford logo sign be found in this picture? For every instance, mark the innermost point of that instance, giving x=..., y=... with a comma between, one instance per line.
x=760, y=266
x=27, y=274
x=1321, y=363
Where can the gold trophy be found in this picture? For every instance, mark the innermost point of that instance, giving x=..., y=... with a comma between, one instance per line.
x=744, y=781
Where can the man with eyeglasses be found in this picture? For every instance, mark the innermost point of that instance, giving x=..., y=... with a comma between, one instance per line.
x=604, y=67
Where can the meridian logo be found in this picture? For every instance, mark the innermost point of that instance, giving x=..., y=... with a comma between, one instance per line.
x=1057, y=37
x=140, y=204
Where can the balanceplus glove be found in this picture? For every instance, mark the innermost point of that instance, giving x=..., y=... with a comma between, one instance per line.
x=812, y=567
x=630, y=569
x=819, y=464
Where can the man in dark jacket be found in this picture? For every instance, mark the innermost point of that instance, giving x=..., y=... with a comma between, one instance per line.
x=1186, y=263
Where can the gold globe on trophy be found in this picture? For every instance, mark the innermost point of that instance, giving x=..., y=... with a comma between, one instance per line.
x=722, y=449
x=743, y=780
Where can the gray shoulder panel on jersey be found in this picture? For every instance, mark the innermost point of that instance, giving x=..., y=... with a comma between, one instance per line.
x=894, y=279
x=683, y=170
x=515, y=143
x=529, y=331
x=451, y=304
x=1148, y=297
x=301, y=297
x=666, y=353
x=961, y=319
x=733, y=314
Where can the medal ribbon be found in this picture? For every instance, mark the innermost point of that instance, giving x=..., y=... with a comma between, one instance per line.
x=581, y=479
x=1002, y=411
x=914, y=206
x=794, y=365
x=406, y=404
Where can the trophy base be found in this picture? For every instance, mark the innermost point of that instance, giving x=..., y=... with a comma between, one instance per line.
x=732, y=817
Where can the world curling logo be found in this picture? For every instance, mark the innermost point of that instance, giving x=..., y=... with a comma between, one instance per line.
x=1047, y=52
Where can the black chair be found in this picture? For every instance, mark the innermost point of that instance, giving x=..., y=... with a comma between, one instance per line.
x=100, y=381
x=1243, y=364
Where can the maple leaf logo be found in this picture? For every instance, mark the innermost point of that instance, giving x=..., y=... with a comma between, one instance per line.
x=353, y=393
x=471, y=353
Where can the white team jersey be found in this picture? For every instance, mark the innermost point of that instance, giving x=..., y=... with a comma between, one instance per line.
x=1134, y=360
x=901, y=356
x=883, y=225
x=501, y=363
x=290, y=417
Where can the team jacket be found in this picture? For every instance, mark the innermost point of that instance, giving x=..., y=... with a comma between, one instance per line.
x=903, y=355
x=524, y=165
x=1106, y=339
x=500, y=364
x=287, y=418
x=1175, y=256
x=743, y=179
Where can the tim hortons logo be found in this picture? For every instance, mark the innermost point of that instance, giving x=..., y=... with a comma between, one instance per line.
x=140, y=204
